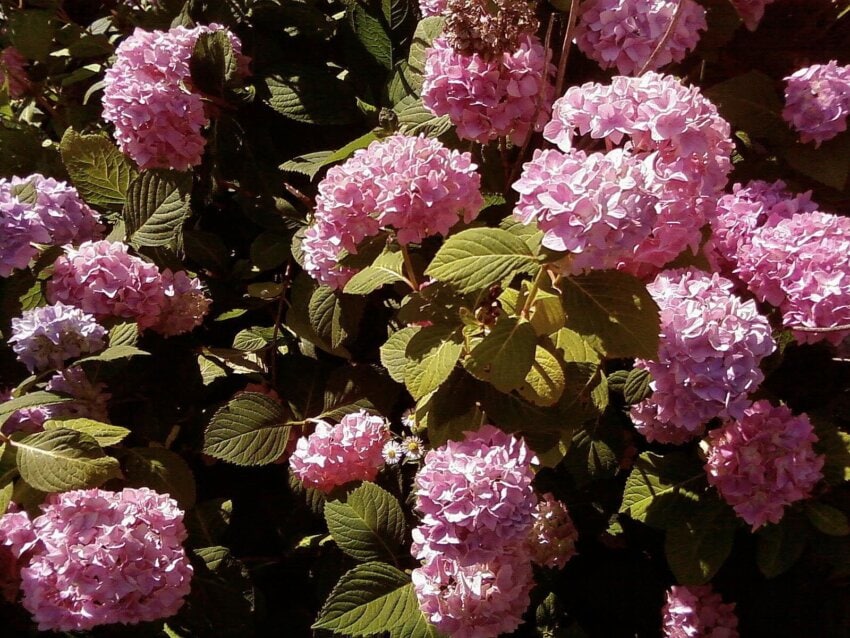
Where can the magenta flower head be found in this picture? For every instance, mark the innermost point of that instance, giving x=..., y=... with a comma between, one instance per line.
x=763, y=462
x=625, y=33
x=101, y=557
x=334, y=455
x=552, y=542
x=817, y=101
x=751, y=11
x=711, y=345
x=507, y=95
x=698, y=612
x=46, y=337
x=147, y=96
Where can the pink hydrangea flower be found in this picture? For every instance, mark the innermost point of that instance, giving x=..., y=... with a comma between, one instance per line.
x=103, y=279
x=20, y=228
x=475, y=497
x=508, y=95
x=475, y=600
x=46, y=337
x=763, y=462
x=16, y=541
x=147, y=96
x=624, y=33
x=414, y=185
x=553, y=536
x=711, y=345
x=698, y=612
x=751, y=11
x=430, y=8
x=802, y=266
x=598, y=207
x=13, y=73
x=817, y=101
x=185, y=304
x=338, y=454
x=105, y=557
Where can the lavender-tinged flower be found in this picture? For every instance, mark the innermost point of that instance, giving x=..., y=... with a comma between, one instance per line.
x=698, y=612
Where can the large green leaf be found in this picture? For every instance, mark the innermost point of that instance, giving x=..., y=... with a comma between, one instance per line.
x=426, y=31
x=779, y=546
x=63, y=459
x=414, y=118
x=161, y=470
x=333, y=316
x=431, y=356
x=386, y=269
x=394, y=352
x=213, y=63
x=368, y=524
x=98, y=169
x=614, y=312
x=372, y=30
x=157, y=205
x=250, y=430
x=311, y=95
x=504, y=357
x=662, y=490
x=545, y=382
x=697, y=548
x=105, y=434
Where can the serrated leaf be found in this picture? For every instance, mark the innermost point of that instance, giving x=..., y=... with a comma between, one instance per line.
x=414, y=118
x=614, y=312
x=662, y=490
x=213, y=62
x=386, y=269
x=826, y=518
x=163, y=471
x=125, y=333
x=6, y=497
x=431, y=354
x=25, y=193
x=30, y=400
x=114, y=353
x=157, y=205
x=547, y=313
x=545, y=382
x=105, y=434
x=370, y=31
x=368, y=600
x=250, y=430
x=368, y=525
x=779, y=546
x=308, y=164
x=637, y=386
x=98, y=169
x=333, y=316
x=394, y=352
x=63, y=459
x=426, y=32
x=697, y=548
x=504, y=357
x=311, y=95
x=253, y=339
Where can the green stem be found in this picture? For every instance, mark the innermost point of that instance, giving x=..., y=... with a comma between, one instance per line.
x=532, y=292
x=408, y=267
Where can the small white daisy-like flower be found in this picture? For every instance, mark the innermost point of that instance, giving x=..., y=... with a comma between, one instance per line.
x=408, y=420
x=392, y=452
x=412, y=447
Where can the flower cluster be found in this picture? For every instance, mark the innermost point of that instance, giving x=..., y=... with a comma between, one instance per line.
x=698, y=611
x=414, y=185
x=334, y=455
x=477, y=506
x=682, y=136
x=103, y=279
x=802, y=266
x=98, y=557
x=16, y=540
x=708, y=358
x=817, y=101
x=158, y=120
x=488, y=27
x=553, y=535
x=13, y=72
x=507, y=95
x=430, y=8
x=763, y=461
x=48, y=336
x=625, y=33
x=599, y=207
x=751, y=11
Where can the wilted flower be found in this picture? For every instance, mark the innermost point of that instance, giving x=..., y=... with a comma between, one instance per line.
x=185, y=304
x=553, y=537
x=488, y=27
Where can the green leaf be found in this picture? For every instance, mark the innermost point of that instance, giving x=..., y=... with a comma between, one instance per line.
x=311, y=95
x=545, y=382
x=593, y=452
x=826, y=518
x=547, y=313
x=31, y=33
x=210, y=369
x=125, y=333
x=161, y=470
x=829, y=163
x=6, y=497
x=250, y=430
x=614, y=312
x=371, y=32
x=63, y=459
x=835, y=446
x=451, y=410
x=334, y=316
x=414, y=118
x=157, y=205
x=98, y=169
x=697, y=548
x=208, y=521
x=432, y=354
x=25, y=193
x=213, y=63
x=386, y=269
x=30, y=400
x=505, y=356
x=368, y=525
x=479, y=257
x=636, y=388
x=368, y=600
x=779, y=546
x=394, y=352
x=426, y=32
x=308, y=164
x=662, y=490
x=105, y=434
x=114, y=353
x=269, y=250
x=253, y=339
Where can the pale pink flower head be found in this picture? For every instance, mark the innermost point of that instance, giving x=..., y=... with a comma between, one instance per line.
x=475, y=497
x=763, y=462
x=817, y=101
x=20, y=228
x=475, y=600
x=334, y=455
x=552, y=542
x=185, y=304
x=711, y=345
x=506, y=95
x=13, y=73
x=802, y=266
x=430, y=8
x=103, y=279
x=625, y=33
x=698, y=612
x=16, y=541
x=106, y=557
x=751, y=11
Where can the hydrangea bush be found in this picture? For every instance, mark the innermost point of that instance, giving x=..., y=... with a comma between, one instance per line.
x=425, y=319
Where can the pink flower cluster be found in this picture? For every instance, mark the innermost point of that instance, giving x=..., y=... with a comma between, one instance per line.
x=708, y=358
x=802, y=266
x=477, y=503
x=334, y=455
x=751, y=11
x=430, y=8
x=147, y=96
x=625, y=33
x=412, y=184
x=817, y=101
x=698, y=612
x=96, y=557
x=763, y=462
x=681, y=135
x=48, y=336
x=16, y=541
x=103, y=279
x=13, y=73
x=598, y=207
x=553, y=535
x=57, y=216
x=507, y=95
